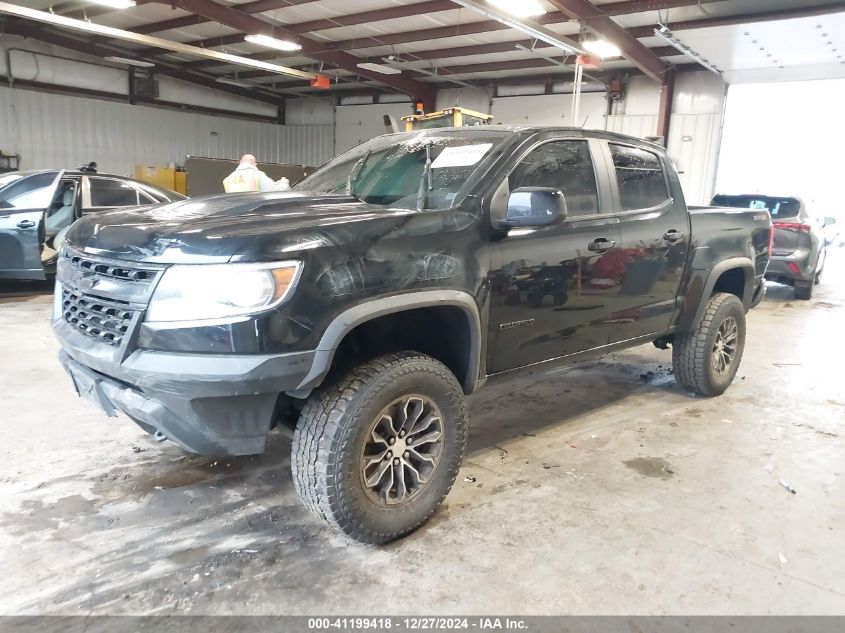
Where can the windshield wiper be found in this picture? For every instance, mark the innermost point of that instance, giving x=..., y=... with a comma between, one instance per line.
x=425, y=180
x=355, y=172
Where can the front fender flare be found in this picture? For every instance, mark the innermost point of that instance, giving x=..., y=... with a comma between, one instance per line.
x=348, y=320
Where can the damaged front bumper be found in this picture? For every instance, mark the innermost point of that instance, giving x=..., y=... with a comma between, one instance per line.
x=211, y=404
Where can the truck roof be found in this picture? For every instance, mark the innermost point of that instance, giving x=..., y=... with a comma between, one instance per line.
x=516, y=129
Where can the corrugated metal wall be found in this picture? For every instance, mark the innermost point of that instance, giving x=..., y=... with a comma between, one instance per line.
x=639, y=125
x=355, y=124
x=60, y=131
x=551, y=110
x=694, y=141
x=695, y=130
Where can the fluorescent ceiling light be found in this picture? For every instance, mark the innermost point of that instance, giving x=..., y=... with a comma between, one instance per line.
x=378, y=68
x=520, y=8
x=115, y=4
x=148, y=40
x=602, y=48
x=128, y=62
x=529, y=27
x=272, y=42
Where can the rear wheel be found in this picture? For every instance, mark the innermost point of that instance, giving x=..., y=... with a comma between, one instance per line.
x=376, y=451
x=706, y=360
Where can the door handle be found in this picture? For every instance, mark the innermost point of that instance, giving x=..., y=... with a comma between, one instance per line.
x=26, y=224
x=673, y=236
x=601, y=245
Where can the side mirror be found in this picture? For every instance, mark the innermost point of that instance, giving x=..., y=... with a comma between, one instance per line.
x=535, y=206
x=829, y=221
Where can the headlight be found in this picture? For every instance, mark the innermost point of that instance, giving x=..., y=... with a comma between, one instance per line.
x=218, y=291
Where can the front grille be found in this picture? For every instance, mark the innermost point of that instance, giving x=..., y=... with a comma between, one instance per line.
x=100, y=297
x=97, y=317
x=112, y=271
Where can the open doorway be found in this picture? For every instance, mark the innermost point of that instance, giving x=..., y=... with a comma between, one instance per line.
x=786, y=139
x=782, y=150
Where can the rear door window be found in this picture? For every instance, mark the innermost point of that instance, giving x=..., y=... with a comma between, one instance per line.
x=109, y=192
x=640, y=176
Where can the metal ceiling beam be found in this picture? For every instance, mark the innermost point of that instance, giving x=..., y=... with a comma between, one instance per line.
x=352, y=19
x=58, y=39
x=604, y=27
x=258, y=6
x=212, y=42
x=554, y=17
x=497, y=47
x=444, y=72
x=377, y=15
x=102, y=95
x=624, y=7
x=108, y=31
x=251, y=25
x=554, y=78
x=440, y=32
x=640, y=32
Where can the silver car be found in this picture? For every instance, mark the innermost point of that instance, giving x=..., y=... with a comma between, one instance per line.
x=799, y=251
x=37, y=207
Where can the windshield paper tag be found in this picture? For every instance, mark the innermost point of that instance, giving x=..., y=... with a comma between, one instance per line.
x=462, y=156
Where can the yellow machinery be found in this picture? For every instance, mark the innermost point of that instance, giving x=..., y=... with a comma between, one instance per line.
x=450, y=117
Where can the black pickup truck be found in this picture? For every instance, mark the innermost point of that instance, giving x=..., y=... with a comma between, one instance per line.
x=360, y=307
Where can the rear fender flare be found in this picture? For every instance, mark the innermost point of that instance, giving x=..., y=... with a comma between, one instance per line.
x=348, y=320
x=747, y=267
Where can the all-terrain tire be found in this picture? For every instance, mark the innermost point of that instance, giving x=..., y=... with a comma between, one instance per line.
x=335, y=425
x=693, y=353
x=804, y=291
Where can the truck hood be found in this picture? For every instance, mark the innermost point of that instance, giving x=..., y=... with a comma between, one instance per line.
x=242, y=227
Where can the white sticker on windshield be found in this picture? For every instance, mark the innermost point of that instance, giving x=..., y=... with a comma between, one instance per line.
x=462, y=156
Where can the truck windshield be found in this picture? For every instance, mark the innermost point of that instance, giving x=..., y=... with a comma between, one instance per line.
x=392, y=170
x=779, y=208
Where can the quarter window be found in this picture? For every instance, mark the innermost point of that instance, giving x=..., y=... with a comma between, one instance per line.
x=564, y=165
x=106, y=192
x=642, y=183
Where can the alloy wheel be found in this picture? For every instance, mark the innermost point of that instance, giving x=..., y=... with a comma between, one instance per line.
x=402, y=450
x=725, y=346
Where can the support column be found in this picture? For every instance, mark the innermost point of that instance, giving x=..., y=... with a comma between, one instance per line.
x=667, y=96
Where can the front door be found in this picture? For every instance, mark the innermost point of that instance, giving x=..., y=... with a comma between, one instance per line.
x=655, y=229
x=549, y=296
x=23, y=203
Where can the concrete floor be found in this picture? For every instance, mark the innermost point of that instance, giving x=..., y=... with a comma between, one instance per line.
x=598, y=489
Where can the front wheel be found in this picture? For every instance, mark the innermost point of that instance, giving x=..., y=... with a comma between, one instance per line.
x=706, y=360
x=376, y=451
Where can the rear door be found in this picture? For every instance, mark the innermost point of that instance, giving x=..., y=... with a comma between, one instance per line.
x=23, y=204
x=655, y=227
